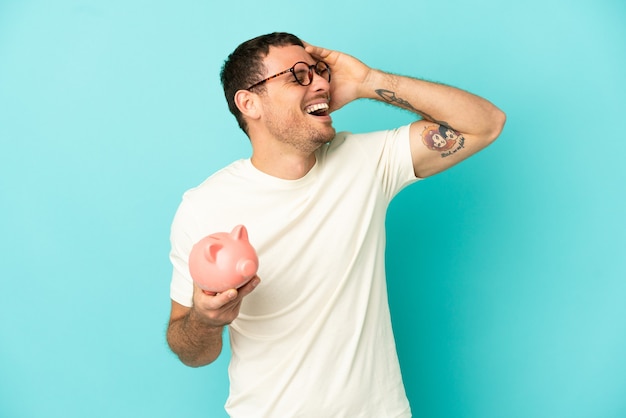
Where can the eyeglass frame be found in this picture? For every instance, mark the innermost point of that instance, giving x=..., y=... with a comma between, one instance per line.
x=312, y=69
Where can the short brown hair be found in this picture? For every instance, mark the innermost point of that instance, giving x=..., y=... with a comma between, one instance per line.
x=244, y=67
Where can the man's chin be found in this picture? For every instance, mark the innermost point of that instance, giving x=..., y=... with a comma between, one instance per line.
x=329, y=134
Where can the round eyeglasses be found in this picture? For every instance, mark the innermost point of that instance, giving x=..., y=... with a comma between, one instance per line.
x=302, y=72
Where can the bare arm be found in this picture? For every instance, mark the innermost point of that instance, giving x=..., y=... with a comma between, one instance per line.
x=195, y=333
x=455, y=124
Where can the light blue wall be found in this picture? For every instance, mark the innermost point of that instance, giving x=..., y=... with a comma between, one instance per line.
x=507, y=273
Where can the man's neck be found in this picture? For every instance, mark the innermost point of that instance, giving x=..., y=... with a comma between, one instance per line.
x=287, y=167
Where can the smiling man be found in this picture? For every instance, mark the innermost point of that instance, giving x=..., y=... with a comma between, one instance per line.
x=314, y=337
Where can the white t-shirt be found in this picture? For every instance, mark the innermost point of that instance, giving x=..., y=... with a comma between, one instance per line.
x=314, y=339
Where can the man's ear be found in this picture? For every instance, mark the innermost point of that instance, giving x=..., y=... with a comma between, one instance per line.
x=248, y=103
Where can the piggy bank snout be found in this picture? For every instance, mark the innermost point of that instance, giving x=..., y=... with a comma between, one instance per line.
x=247, y=268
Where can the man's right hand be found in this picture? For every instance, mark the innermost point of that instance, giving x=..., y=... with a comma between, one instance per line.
x=222, y=308
x=195, y=334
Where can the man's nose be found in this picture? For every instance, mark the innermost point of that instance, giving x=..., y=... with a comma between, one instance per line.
x=319, y=82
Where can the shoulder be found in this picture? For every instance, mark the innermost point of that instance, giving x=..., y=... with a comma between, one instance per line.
x=374, y=136
x=221, y=178
x=369, y=142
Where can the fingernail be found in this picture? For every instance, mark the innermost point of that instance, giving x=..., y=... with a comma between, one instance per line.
x=232, y=294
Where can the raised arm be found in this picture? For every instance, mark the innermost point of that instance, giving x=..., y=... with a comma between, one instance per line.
x=455, y=124
x=195, y=333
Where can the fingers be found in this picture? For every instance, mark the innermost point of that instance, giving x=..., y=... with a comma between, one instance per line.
x=317, y=52
x=216, y=310
x=219, y=300
x=249, y=287
x=220, y=309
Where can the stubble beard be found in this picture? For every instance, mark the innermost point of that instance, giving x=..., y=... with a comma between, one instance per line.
x=300, y=133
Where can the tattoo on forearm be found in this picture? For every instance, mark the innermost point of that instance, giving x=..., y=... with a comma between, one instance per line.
x=443, y=139
x=390, y=97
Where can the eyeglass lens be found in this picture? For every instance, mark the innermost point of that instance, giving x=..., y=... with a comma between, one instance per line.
x=304, y=73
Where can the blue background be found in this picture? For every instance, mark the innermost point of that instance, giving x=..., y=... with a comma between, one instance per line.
x=507, y=274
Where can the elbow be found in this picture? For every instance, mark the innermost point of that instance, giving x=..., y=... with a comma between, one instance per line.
x=194, y=359
x=191, y=354
x=498, y=119
x=194, y=363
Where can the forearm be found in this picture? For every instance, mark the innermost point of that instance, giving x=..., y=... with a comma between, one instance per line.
x=448, y=106
x=195, y=334
x=195, y=343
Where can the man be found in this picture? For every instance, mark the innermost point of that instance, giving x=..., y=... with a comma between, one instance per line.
x=314, y=338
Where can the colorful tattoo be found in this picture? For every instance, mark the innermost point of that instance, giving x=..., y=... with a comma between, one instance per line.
x=443, y=139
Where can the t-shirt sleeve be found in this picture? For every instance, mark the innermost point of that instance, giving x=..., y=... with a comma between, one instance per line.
x=400, y=162
x=181, y=240
x=392, y=153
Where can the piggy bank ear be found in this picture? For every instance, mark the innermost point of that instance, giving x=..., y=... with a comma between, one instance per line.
x=240, y=233
x=211, y=250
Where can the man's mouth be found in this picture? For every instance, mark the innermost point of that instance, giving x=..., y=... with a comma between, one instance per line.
x=318, y=109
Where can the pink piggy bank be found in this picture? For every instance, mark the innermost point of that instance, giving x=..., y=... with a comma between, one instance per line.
x=223, y=261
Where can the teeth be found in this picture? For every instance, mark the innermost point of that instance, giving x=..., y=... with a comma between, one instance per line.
x=316, y=107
